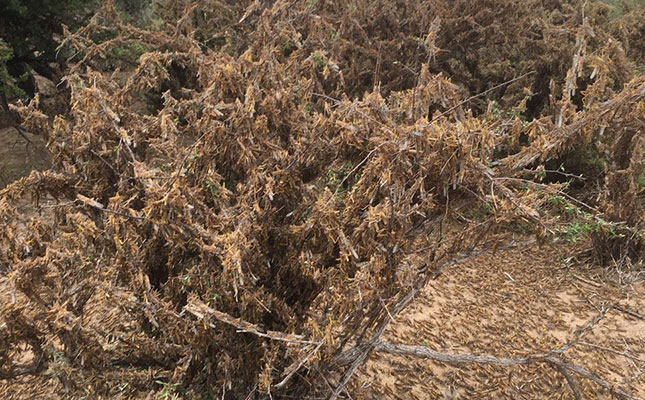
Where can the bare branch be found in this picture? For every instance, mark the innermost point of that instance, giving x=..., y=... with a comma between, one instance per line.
x=458, y=359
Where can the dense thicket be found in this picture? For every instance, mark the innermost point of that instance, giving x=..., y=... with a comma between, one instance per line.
x=31, y=31
x=247, y=207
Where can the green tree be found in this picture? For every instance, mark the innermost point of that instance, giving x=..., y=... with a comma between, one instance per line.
x=8, y=86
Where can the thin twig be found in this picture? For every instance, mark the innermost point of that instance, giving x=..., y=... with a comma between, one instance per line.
x=201, y=311
x=607, y=349
x=298, y=366
x=183, y=161
x=575, y=389
x=588, y=282
x=364, y=350
x=96, y=205
x=547, y=187
x=583, y=331
x=367, y=157
x=554, y=171
x=105, y=162
x=630, y=312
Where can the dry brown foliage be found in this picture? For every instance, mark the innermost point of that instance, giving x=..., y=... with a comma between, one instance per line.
x=249, y=218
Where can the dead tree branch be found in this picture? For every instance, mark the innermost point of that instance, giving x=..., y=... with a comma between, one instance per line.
x=458, y=359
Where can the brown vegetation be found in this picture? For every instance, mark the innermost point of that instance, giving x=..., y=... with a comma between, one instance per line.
x=247, y=209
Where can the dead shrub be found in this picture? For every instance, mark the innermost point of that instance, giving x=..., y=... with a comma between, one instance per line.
x=250, y=217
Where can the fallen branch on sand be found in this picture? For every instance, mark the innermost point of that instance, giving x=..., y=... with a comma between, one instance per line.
x=456, y=359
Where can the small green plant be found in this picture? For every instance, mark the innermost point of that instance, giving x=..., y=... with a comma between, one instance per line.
x=337, y=179
x=165, y=168
x=640, y=178
x=332, y=178
x=288, y=47
x=516, y=113
x=194, y=156
x=212, y=187
x=576, y=230
x=168, y=392
x=59, y=357
x=479, y=213
x=128, y=54
x=586, y=224
x=319, y=61
x=215, y=297
x=561, y=203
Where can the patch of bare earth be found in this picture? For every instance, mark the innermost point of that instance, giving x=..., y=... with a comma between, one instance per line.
x=19, y=155
x=515, y=303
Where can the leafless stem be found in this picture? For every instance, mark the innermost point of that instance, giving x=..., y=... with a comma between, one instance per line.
x=202, y=311
x=607, y=349
x=571, y=381
x=457, y=359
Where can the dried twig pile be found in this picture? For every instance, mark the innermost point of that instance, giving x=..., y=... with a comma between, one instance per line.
x=248, y=210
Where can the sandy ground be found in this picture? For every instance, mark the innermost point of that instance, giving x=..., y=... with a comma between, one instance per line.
x=515, y=303
x=18, y=157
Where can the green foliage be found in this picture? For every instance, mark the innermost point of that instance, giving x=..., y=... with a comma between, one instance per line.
x=640, y=179
x=29, y=29
x=288, y=47
x=581, y=224
x=320, y=61
x=575, y=230
x=8, y=84
x=622, y=7
x=168, y=392
x=28, y=25
x=479, y=213
x=127, y=54
x=337, y=179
